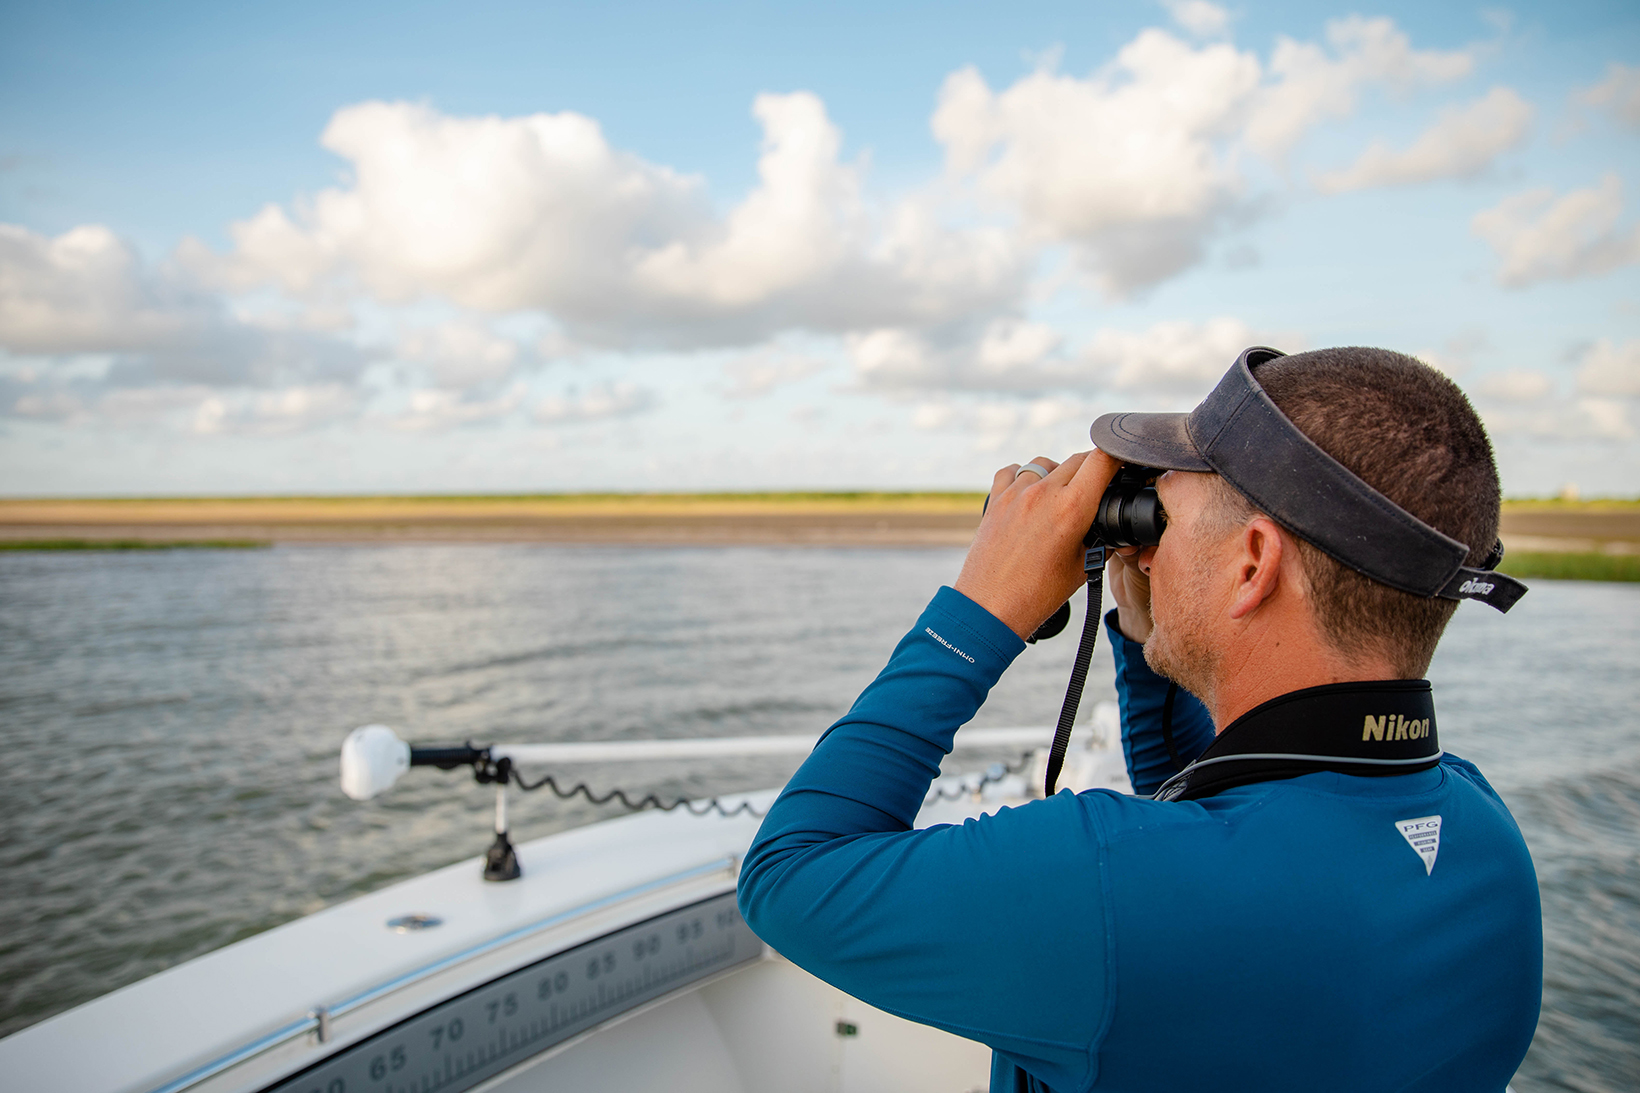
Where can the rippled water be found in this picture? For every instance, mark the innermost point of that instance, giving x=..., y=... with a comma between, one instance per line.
x=170, y=724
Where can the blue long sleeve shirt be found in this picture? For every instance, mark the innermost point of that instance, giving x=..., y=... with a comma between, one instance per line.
x=1277, y=936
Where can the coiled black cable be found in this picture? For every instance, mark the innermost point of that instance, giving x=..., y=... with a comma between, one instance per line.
x=504, y=772
x=650, y=800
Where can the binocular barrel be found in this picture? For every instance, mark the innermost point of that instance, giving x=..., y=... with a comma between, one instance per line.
x=1130, y=513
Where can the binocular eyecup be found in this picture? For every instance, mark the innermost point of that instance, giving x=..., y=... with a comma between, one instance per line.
x=1130, y=513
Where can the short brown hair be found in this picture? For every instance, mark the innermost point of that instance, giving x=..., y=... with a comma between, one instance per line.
x=1410, y=433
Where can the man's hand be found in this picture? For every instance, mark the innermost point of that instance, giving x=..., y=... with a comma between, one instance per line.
x=1130, y=588
x=1026, y=558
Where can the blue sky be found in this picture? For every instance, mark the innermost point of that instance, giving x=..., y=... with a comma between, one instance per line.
x=428, y=247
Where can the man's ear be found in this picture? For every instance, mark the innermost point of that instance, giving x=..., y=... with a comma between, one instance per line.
x=1258, y=566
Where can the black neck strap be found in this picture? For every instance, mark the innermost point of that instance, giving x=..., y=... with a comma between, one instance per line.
x=1371, y=729
x=1093, y=565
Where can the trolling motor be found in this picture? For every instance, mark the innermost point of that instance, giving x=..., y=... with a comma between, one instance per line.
x=373, y=758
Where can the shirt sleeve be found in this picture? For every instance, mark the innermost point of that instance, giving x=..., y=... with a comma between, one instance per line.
x=1140, y=695
x=994, y=929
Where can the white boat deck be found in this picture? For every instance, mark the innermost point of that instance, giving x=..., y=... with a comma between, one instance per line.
x=617, y=962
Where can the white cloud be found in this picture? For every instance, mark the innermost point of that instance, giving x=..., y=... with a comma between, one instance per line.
x=757, y=374
x=1126, y=164
x=191, y=408
x=933, y=416
x=111, y=341
x=87, y=292
x=1203, y=19
x=804, y=245
x=621, y=399
x=1523, y=403
x=1132, y=168
x=49, y=405
x=1610, y=369
x=1136, y=165
x=1013, y=355
x=490, y=212
x=1452, y=364
x=149, y=405
x=435, y=409
x=1312, y=86
x=1618, y=93
x=1008, y=345
x=896, y=358
x=1540, y=236
x=1610, y=418
x=460, y=354
x=274, y=413
x=1008, y=354
x=1178, y=357
x=1517, y=385
x=1568, y=420
x=1034, y=426
x=541, y=213
x=1462, y=143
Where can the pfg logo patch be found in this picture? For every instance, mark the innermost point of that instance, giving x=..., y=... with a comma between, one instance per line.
x=1423, y=834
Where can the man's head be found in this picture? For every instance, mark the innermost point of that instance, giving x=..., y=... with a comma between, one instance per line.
x=1410, y=433
x=1403, y=429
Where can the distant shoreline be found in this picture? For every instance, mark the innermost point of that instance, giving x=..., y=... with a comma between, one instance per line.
x=715, y=519
x=910, y=519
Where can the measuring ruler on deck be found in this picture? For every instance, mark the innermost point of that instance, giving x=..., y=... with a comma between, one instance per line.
x=459, y=1043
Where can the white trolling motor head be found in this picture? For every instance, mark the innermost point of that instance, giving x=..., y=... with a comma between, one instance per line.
x=373, y=758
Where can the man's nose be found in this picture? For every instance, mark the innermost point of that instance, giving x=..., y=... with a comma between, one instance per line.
x=1145, y=557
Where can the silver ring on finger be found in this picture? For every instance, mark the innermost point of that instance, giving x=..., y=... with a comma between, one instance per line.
x=1032, y=468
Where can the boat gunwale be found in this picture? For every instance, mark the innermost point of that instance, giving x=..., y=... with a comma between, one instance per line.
x=317, y=1017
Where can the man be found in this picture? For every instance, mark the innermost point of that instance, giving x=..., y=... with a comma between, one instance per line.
x=1321, y=900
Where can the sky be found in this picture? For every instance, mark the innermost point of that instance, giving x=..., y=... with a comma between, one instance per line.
x=495, y=247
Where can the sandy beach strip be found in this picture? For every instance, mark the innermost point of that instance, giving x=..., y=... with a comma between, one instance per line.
x=1591, y=527
x=679, y=520
x=796, y=519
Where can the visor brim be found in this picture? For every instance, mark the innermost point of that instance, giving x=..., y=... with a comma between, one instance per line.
x=1149, y=440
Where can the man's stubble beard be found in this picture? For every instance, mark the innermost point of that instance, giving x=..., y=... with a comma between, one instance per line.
x=1181, y=647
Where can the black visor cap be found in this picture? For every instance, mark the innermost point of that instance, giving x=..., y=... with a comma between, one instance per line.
x=1241, y=435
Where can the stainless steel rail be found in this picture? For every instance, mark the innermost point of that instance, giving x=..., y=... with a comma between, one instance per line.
x=318, y=1019
x=609, y=751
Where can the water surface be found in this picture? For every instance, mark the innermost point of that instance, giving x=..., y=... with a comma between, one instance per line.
x=170, y=723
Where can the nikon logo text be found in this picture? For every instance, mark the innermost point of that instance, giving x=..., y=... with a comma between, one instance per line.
x=1393, y=726
x=1478, y=587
